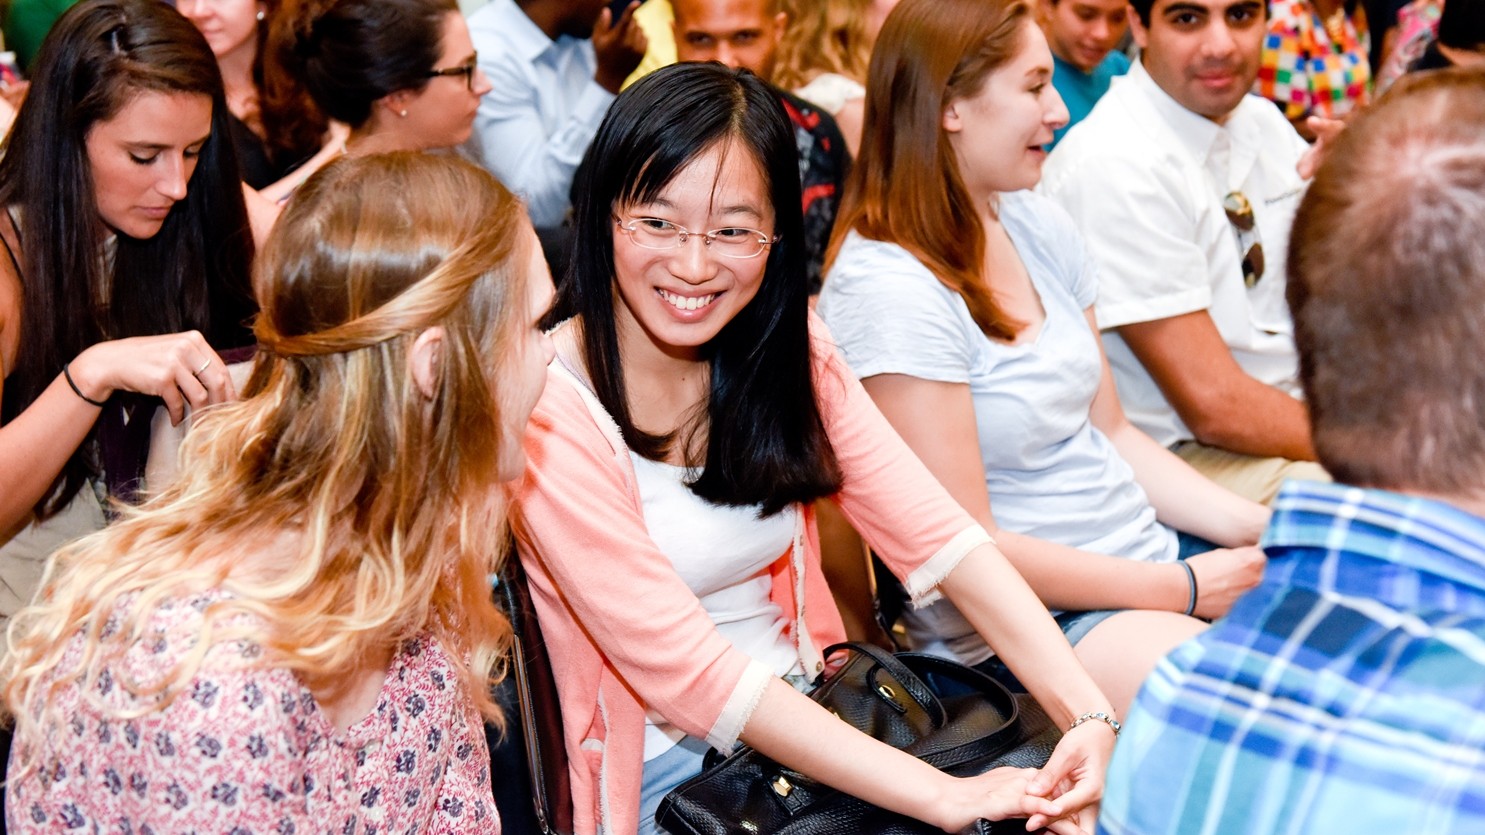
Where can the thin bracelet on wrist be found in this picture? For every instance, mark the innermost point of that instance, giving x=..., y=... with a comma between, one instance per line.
x=75, y=390
x=1190, y=580
x=1097, y=716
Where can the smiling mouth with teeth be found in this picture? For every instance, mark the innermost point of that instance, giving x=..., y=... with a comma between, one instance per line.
x=686, y=302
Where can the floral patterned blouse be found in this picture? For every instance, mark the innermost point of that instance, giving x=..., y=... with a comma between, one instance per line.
x=245, y=749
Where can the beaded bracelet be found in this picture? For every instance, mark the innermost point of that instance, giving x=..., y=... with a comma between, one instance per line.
x=1191, y=580
x=79, y=392
x=1099, y=716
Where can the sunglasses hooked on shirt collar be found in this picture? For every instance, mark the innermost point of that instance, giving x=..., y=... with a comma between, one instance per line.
x=1240, y=214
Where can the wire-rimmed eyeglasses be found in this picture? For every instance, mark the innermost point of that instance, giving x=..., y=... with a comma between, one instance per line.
x=731, y=241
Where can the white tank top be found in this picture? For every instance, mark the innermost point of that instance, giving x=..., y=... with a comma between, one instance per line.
x=722, y=554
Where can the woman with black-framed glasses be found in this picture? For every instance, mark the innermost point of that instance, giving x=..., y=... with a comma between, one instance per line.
x=401, y=73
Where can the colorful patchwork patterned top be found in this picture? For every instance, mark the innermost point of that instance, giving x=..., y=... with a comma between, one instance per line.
x=1313, y=67
x=1346, y=693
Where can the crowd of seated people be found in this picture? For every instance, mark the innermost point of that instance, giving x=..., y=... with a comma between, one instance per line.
x=1137, y=369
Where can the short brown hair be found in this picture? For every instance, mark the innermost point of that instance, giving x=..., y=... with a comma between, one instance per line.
x=1387, y=288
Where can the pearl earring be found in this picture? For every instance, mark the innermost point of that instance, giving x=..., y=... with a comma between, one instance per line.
x=260, y=15
x=403, y=114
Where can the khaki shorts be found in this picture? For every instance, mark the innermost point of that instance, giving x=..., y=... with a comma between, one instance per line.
x=1248, y=476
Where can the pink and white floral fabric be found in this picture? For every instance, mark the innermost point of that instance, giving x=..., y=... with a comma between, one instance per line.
x=246, y=750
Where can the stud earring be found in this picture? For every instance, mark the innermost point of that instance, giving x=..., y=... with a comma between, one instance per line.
x=260, y=15
x=403, y=114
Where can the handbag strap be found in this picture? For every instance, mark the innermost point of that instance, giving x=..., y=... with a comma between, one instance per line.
x=915, y=687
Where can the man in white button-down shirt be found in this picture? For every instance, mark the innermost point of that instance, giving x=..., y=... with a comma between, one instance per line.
x=1184, y=187
x=554, y=66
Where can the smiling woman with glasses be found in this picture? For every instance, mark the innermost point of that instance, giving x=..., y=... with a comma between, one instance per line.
x=401, y=73
x=694, y=414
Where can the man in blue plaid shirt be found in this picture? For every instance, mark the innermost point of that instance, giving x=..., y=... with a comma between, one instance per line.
x=1346, y=693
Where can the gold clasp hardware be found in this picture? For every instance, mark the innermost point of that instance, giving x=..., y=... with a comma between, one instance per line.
x=887, y=692
x=782, y=787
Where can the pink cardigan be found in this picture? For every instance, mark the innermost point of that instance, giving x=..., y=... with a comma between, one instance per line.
x=625, y=632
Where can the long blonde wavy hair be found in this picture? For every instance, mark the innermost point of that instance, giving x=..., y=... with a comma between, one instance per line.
x=371, y=509
x=822, y=36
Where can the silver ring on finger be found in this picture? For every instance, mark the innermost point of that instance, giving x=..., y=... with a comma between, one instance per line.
x=204, y=366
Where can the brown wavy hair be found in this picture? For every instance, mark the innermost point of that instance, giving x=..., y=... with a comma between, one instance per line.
x=904, y=187
x=293, y=124
x=379, y=502
x=822, y=36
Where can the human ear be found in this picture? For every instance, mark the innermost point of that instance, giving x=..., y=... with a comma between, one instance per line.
x=396, y=103
x=423, y=360
x=1137, y=28
x=952, y=122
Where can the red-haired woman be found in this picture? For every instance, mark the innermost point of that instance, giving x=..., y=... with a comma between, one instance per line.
x=964, y=302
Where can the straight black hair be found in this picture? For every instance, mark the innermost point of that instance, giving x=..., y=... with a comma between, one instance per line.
x=766, y=441
x=193, y=274
x=1462, y=25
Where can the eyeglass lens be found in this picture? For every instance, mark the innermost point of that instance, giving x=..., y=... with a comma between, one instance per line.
x=734, y=242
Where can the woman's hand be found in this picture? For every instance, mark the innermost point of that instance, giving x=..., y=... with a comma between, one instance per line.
x=1223, y=575
x=1073, y=779
x=999, y=794
x=179, y=368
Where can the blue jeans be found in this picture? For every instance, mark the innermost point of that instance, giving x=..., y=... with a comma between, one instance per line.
x=1077, y=625
x=664, y=773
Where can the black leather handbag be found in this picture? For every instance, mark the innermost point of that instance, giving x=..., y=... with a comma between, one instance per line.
x=944, y=713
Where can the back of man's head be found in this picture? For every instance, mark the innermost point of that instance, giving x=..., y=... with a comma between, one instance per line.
x=1387, y=287
x=743, y=34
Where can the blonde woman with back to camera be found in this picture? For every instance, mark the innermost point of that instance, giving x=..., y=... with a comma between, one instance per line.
x=297, y=635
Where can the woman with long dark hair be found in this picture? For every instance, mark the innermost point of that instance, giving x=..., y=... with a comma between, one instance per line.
x=691, y=417
x=127, y=252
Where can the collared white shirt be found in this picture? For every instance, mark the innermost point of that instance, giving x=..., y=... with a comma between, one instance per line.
x=543, y=110
x=1144, y=179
